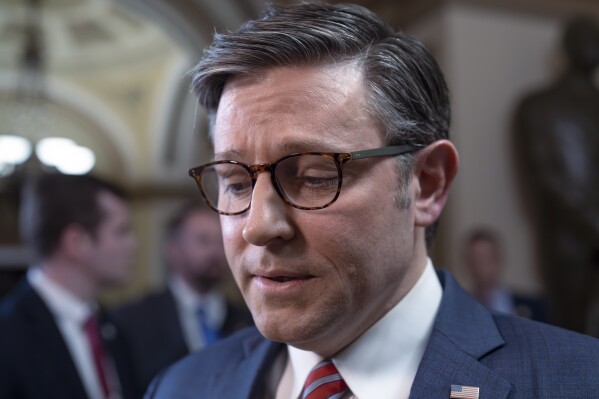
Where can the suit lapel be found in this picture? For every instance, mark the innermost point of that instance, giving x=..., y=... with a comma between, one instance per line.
x=122, y=363
x=246, y=379
x=51, y=343
x=444, y=364
x=463, y=334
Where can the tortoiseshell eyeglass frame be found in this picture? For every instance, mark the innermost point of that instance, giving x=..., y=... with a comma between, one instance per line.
x=340, y=158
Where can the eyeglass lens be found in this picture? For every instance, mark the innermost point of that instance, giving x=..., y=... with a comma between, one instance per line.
x=305, y=180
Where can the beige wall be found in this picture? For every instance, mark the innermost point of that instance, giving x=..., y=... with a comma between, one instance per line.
x=491, y=58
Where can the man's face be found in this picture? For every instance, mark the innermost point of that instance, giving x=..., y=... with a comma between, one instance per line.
x=314, y=279
x=111, y=252
x=196, y=252
x=484, y=263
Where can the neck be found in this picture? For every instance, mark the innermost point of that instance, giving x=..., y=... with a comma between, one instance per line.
x=200, y=286
x=72, y=278
x=483, y=292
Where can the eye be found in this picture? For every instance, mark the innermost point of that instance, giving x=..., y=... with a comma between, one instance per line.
x=315, y=181
x=312, y=184
x=235, y=185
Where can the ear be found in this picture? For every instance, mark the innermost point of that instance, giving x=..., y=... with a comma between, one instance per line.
x=75, y=241
x=434, y=169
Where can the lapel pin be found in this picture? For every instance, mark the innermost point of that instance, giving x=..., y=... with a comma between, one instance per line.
x=108, y=331
x=464, y=392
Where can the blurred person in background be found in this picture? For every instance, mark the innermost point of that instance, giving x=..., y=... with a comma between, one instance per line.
x=485, y=262
x=55, y=342
x=192, y=311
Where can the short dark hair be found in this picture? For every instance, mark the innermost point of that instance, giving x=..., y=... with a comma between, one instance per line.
x=406, y=88
x=178, y=218
x=53, y=201
x=485, y=234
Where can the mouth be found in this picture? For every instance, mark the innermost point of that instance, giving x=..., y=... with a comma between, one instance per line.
x=281, y=280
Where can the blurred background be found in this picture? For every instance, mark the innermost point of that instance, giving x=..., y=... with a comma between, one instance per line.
x=98, y=86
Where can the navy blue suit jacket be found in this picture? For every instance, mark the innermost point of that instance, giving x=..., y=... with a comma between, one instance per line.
x=35, y=362
x=152, y=331
x=503, y=355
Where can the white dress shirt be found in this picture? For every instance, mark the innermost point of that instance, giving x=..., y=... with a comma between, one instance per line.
x=188, y=302
x=382, y=363
x=70, y=314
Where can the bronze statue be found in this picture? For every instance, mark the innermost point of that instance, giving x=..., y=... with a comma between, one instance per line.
x=557, y=148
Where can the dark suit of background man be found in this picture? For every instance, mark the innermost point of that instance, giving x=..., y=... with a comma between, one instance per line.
x=191, y=312
x=328, y=246
x=54, y=343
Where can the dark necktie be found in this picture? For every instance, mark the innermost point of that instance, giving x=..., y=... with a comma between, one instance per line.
x=211, y=335
x=92, y=330
x=324, y=382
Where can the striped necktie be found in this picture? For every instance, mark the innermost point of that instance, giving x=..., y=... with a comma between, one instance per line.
x=324, y=382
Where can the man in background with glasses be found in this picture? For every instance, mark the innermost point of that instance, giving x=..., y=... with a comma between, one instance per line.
x=331, y=168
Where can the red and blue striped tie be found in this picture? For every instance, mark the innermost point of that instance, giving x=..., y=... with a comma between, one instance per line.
x=324, y=382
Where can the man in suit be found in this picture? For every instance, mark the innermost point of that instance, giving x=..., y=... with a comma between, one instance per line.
x=483, y=255
x=55, y=342
x=331, y=167
x=192, y=312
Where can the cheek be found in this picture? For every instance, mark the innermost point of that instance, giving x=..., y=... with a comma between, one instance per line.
x=368, y=250
x=230, y=227
x=347, y=247
x=232, y=238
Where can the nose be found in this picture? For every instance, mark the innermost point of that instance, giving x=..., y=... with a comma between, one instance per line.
x=269, y=218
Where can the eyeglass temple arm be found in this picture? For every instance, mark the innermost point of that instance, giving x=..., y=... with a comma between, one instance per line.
x=386, y=151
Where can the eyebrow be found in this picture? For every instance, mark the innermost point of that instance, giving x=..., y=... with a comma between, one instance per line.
x=285, y=148
x=226, y=155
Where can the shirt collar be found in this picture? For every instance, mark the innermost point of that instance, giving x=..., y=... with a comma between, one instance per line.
x=384, y=360
x=213, y=302
x=62, y=303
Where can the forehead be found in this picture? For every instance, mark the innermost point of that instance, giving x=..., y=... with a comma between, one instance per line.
x=282, y=107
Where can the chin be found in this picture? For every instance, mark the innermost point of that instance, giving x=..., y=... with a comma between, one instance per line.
x=280, y=329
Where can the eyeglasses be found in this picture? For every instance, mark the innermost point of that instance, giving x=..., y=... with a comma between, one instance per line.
x=308, y=180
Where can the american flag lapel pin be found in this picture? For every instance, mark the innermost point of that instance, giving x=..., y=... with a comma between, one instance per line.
x=464, y=392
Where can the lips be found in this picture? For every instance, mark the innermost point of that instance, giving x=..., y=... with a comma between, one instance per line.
x=281, y=279
x=283, y=287
x=279, y=273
